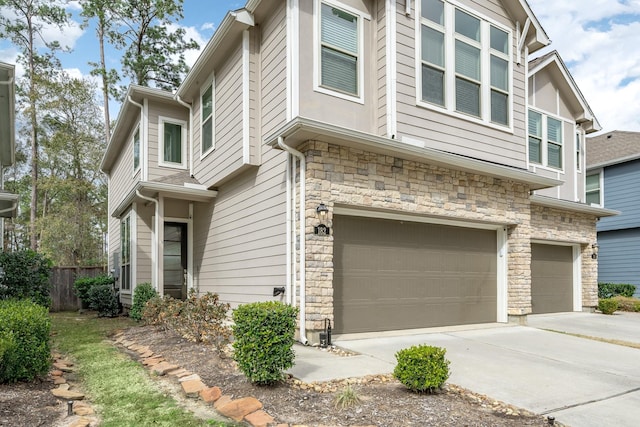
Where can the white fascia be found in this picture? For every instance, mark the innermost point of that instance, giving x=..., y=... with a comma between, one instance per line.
x=391, y=27
x=246, y=108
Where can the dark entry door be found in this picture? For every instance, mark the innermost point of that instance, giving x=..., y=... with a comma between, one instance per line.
x=175, y=260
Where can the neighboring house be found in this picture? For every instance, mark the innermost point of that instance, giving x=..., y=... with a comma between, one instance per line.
x=441, y=177
x=613, y=177
x=8, y=201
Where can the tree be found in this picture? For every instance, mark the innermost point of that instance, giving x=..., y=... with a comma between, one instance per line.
x=154, y=45
x=73, y=217
x=99, y=10
x=23, y=21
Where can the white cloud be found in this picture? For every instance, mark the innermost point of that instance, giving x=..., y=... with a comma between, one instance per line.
x=208, y=26
x=599, y=44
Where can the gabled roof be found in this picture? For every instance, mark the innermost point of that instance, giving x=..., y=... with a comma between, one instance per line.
x=612, y=148
x=7, y=115
x=563, y=78
x=128, y=115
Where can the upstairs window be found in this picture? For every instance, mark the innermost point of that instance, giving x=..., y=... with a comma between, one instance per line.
x=545, y=140
x=136, y=150
x=464, y=63
x=578, y=151
x=593, y=190
x=125, y=253
x=173, y=147
x=207, y=133
x=339, y=44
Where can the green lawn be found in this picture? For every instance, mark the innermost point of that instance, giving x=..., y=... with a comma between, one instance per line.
x=121, y=389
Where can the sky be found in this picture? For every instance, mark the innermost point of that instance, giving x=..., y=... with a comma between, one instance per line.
x=599, y=40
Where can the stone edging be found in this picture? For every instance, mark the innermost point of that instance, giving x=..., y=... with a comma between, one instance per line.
x=83, y=413
x=245, y=409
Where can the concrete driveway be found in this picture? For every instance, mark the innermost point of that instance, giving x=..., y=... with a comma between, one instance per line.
x=581, y=382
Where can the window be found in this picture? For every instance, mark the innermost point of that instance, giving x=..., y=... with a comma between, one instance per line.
x=173, y=138
x=136, y=150
x=207, y=133
x=535, y=137
x=125, y=253
x=593, y=189
x=339, y=38
x=578, y=151
x=545, y=140
x=470, y=75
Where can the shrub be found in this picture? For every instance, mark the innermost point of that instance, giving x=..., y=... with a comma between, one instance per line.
x=422, y=368
x=628, y=304
x=104, y=299
x=26, y=276
x=83, y=284
x=609, y=290
x=199, y=319
x=24, y=340
x=264, y=333
x=143, y=293
x=607, y=305
x=346, y=398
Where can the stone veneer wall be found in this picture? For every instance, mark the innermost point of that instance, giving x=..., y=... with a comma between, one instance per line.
x=555, y=224
x=338, y=175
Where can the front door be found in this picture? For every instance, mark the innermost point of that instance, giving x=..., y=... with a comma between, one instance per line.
x=175, y=260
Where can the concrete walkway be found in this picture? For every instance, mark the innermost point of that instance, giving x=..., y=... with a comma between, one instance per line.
x=581, y=382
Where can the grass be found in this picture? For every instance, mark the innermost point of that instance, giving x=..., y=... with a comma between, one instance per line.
x=121, y=389
x=346, y=398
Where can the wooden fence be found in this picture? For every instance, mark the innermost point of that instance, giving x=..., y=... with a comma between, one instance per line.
x=62, y=295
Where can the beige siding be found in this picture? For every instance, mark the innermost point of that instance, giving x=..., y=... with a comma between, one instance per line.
x=329, y=108
x=226, y=157
x=121, y=181
x=381, y=66
x=171, y=111
x=240, y=238
x=449, y=132
x=144, y=226
x=273, y=71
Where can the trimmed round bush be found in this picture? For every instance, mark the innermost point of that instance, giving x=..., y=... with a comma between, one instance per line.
x=608, y=305
x=143, y=293
x=83, y=284
x=422, y=368
x=264, y=337
x=24, y=340
x=104, y=300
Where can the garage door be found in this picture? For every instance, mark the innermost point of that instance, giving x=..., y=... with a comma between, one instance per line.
x=551, y=278
x=392, y=275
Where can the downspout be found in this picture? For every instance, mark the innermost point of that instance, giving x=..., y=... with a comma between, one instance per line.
x=289, y=298
x=303, y=227
x=188, y=106
x=154, y=261
x=12, y=208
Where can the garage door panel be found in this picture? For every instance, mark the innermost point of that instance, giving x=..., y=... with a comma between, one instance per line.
x=398, y=275
x=551, y=278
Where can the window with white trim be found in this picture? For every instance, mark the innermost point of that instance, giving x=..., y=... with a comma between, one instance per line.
x=173, y=142
x=339, y=45
x=593, y=189
x=545, y=140
x=136, y=150
x=125, y=253
x=578, y=152
x=465, y=63
x=207, y=133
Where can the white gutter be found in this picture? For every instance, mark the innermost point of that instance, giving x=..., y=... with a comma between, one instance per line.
x=188, y=106
x=154, y=244
x=303, y=238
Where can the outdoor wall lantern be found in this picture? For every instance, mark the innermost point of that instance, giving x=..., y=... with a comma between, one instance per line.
x=321, y=229
x=594, y=248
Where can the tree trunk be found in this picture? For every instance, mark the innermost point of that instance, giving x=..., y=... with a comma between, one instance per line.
x=105, y=84
x=34, y=142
